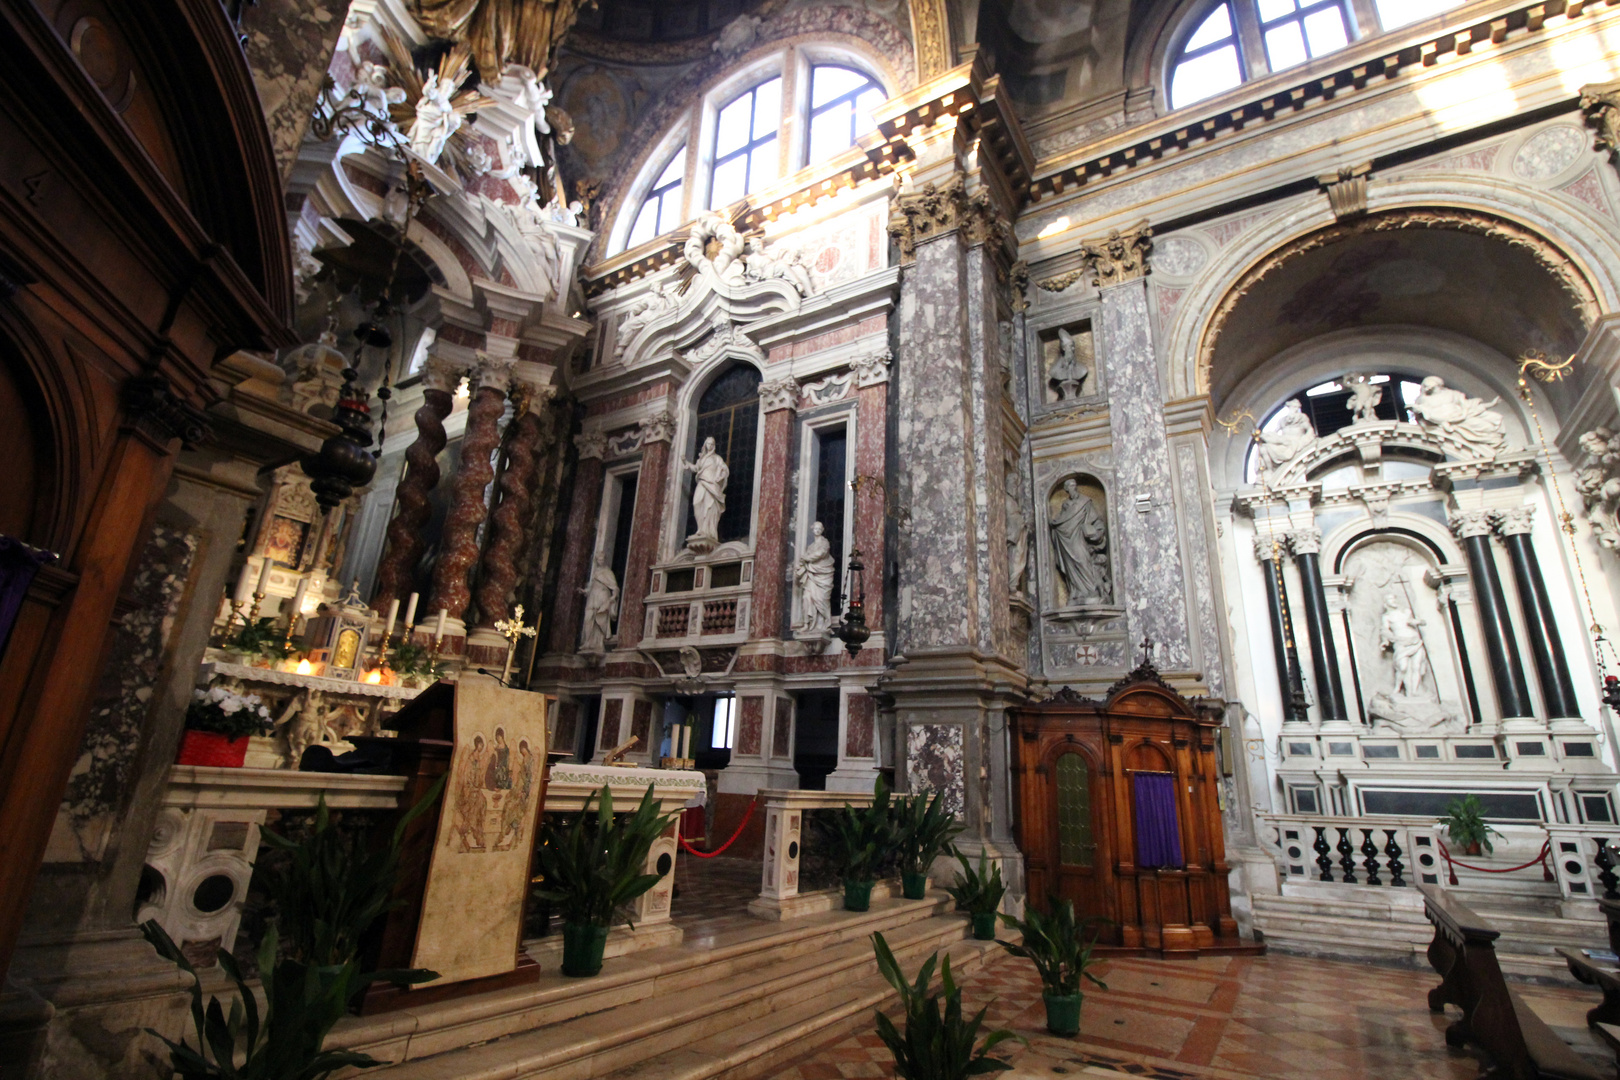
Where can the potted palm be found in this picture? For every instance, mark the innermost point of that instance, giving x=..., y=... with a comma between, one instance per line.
x=937, y=1043
x=979, y=892
x=219, y=723
x=592, y=868
x=924, y=829
x=861, y=838
x=1058, y=946
x=1466, y=827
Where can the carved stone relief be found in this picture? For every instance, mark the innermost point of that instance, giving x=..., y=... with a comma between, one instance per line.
x=1598, y=483
x=1398, y=632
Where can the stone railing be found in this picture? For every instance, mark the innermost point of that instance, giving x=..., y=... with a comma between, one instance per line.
x=779, y=896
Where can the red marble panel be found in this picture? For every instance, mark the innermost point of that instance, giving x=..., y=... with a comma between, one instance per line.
x=782, y=729
x=643, y=542
x=770, y=553
x=641, y=722
x=603, y=406
x=870, y=445
x=750, y=724
x=576, y=556
x=611, y=713
x=858, y=733
x=567, y=729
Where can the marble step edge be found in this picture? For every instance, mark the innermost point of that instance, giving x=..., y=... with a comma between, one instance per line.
x=766, y=1048
x=1343, y=909
x=561, y=1049
x=653, y=971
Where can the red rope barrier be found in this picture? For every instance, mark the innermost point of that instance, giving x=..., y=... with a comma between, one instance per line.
x=1546, y=871
x=690, y=850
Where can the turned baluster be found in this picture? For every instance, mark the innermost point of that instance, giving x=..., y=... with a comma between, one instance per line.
x=1369, y=852
x=1321, y=848
x=1347, y=856
x=1392, y=851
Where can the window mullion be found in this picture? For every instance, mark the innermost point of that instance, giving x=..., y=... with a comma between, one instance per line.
x=1365, y=18
x=1251, y=44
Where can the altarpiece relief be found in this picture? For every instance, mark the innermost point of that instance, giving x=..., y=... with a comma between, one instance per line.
x=1398, y=633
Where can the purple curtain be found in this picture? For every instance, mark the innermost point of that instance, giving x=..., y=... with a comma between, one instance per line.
x=1158, y=833
x=18, y=565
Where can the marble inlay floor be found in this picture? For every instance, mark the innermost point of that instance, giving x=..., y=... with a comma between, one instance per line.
x=1219, y=1017
x=712, y=896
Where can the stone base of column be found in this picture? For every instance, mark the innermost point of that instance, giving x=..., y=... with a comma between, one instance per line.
x=486, y=648
x=454, y=643
x=1571, y=725
x=856, y=774
x=1522, y=725
x=1340, y=727
x=747, y=777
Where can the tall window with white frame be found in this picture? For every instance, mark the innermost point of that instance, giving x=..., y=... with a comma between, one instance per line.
x=832, y=444
x=661, y=207
x=725, y=727
x=1210, y=61
x=745, y=143
x=841, y=104
x=1299, y=30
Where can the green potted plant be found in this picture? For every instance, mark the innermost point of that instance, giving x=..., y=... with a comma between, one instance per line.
x=309, y=966
x=413, y=664
x=937, y=1043
x=1059, y=948
x=592, y=868
x=979, y=892
x=1466, y=826
x=259, y=639
x=924, y=830
x=861, y=838
x=219, y=723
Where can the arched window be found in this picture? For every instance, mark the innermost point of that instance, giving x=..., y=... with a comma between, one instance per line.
x=728, y=412
x=1210, y=62
x=1298, y=30
x=841, y=104
x=661, y=208
x=1327, y=405
x=745, y=147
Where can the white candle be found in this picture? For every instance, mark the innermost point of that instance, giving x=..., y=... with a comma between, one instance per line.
x=393, y=613
x=264, y=575
x=444, y=614
x=244, y=584
x=298, y=603
x=686, y=741
x=410, y=612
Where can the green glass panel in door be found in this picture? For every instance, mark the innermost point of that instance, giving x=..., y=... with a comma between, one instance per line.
x=1074, y=811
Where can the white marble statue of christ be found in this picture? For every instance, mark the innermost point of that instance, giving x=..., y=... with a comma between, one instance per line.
x=710, y=473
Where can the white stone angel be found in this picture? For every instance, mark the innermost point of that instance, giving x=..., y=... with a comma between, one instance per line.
x=1067, y=371
x=1290, y=437
x=1364, y=398
x=1464, y=420
x=436, y=119
x=661, y=298
x=373, y=92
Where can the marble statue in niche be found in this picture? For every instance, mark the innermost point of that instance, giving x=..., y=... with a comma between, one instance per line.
x=1017, y=537
x=1364, y=398
x=436, y=119
x=601, y=597
x=1080, y=547
x=1401, y=649
x=1291, y=436
x=1454, y=415
x=709, y=475
x=815, y=574
x=1066, y=372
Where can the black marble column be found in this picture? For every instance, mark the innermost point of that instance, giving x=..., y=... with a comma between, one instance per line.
x=1507, y=670
x=1268, y=550
x=1552, y=670
x=1307, y=545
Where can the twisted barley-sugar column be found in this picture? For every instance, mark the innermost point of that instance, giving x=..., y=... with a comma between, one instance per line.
x=509, y=523
x=405, y=542
x=458, y=551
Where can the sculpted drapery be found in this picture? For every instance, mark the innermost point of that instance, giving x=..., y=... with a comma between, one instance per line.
x=1080, y=544
x=501, y=32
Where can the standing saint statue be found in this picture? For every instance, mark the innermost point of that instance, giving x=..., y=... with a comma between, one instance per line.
x=436, y=119
x=601, y=597
x=1364, y=398
x=710, y=473
x=1292, y=435
x=1399, y=632
x=815, y=574
x=1454, y=415
x=1080, y=546
x=1067, y=371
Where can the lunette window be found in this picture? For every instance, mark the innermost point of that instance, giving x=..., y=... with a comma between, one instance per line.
x=1210, y=62
x=745, y=145
x=661, y=209
x=841, y=104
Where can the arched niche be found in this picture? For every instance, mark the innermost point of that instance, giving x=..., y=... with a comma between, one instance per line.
x=723, y=404
x=1079, y=543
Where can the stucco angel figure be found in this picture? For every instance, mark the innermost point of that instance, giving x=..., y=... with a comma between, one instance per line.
x=715, y=245
x=533, y=97
x=1401, y=634
x=1456, y=416
x=373, y=92
x=660, y=299
x=1291, y=437
x=815, y=574
x=710, y=473
x=1067, y=371
x=436, y=118
x=303, y=724
x=1364, y=398
x=786, y=264
x=601, y=597
x=1079, y=536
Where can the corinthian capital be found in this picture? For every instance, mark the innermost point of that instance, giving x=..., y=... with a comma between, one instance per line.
x=659, y=428
x=1466, y=523
x=1123, y=256
x=1515, y=521
x=592, y=444
x=1305, y=541
x=937, y=209
x=779, y=394
x=493, y=373
x=441, y=373
x=1270, y=546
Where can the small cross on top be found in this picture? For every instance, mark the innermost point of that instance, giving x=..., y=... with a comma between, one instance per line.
x=1147, y=650
x=513, y=631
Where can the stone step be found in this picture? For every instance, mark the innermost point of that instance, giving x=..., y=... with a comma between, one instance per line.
x=633, y=1029
x=418, y=1032
x=767, y=1044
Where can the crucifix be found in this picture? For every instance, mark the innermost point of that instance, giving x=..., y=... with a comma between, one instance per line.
x=512, y=630
x=1147, y=650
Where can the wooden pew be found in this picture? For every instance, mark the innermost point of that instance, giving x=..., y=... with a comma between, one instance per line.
x=1494, y=1018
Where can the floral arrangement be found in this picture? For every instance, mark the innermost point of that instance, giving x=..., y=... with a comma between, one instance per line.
x=224, y=712
x=260, y=636
x=414, y=661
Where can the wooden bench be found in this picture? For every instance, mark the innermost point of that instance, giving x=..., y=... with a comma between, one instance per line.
x=1494, y=1018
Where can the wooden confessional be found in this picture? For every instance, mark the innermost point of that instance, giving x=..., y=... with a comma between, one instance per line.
x=1086, y=771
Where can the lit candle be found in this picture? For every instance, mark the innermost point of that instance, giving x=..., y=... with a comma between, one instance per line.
x=410, y=612
x=264, y=576
x=298, y=603
x=393, y=613
x=438, y=631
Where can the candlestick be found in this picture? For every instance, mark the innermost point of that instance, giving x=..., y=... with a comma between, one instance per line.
x=686, y=741
x=410, y=611
x=253, y=612
x=444, y=616
x=244, y=585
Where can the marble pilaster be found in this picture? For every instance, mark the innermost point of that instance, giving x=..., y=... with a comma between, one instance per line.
x=580, y=544
x=289, y=46
x=771, y=576
x=871, y=445
x=657, y=435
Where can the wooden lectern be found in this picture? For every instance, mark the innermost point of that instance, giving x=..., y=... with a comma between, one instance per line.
x=465, y=865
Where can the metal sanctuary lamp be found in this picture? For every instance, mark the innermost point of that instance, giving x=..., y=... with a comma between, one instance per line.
x=851, y=629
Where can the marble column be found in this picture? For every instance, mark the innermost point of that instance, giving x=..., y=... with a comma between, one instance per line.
x=575, y=567
x=405, y=542
x=458, y=551
x=1306, y=544
x=779, y=401
x=1540, y=626
x=871, y=466
x=289, y=46
x=657, y=433
x=1269, y=549
x=1474, y=527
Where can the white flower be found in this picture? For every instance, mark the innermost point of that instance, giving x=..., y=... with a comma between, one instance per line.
x=218, y=693
x=230, y=706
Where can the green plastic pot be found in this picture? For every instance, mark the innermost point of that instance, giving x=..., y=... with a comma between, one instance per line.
x=984, y=926
x=914, y=886
x=1062, y=1013
x=857, y=895
x=583, y=944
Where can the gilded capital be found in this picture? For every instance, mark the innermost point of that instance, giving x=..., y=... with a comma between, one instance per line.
x=1123, y=256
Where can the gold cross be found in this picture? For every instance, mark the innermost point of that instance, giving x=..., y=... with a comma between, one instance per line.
x=512, y=630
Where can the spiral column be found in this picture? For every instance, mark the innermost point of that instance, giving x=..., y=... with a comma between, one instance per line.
x=405, y=542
